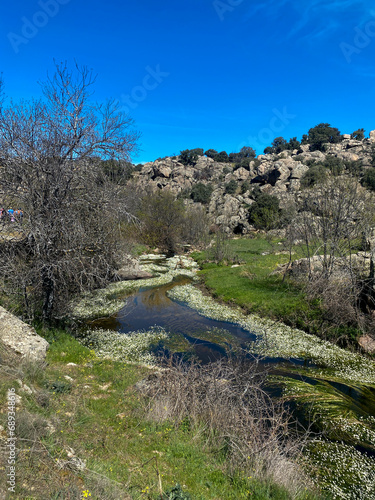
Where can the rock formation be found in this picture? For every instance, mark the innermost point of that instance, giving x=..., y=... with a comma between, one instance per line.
x=21, y=338
x=276, y=174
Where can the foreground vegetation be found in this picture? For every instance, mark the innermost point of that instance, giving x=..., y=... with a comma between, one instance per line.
x=85, y=430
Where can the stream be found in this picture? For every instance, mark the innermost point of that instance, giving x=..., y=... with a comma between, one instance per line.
x=343, y=409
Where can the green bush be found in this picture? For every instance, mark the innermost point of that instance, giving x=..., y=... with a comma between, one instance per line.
x=335, y=165
x=359, y=134
x=369, y=179
x=315, y=174
x=189, y=157
x=322, y=134
x=231, y=187
x=265, y=213
x=245, y=187
x=201, y=193
x=211, y=153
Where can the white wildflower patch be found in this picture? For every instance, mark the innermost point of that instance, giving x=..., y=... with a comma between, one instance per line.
x=342, y=470
x=108, y=301
x=130, y=347
x=278, y=340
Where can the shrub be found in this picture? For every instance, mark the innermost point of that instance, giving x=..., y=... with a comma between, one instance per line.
x=227, y=401
x=265, y=213
x=188, y=157
x=245, y=187
x=369, y=179
x=245, y=153
x=222, y=157
x=201, y=193
x=203, y=175
x=359, y=134
x=244, y=163
x=354, y=167
x=161, y=216
x=299, y=157
x=231, y=187
x=211, y=153
x=315, y=174
x=322, y=134
x=335, y=165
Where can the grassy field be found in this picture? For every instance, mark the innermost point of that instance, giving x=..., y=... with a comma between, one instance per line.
x=252, y=285
x=84, y=431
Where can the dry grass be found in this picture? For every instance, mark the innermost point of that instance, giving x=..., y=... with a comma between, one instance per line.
x=227, y=403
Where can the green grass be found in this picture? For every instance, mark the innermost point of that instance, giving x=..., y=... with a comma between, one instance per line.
x=252, y=285
x=102, y=419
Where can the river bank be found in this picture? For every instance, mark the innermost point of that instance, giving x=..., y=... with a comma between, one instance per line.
x=332, y=387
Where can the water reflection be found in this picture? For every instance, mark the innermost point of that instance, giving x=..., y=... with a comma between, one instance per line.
x=152, y=306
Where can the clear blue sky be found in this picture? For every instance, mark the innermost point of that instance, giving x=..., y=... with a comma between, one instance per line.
x=213, y=74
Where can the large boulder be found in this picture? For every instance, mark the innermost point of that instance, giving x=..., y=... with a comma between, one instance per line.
x=241, y=174
x=298, y=170
x=162, y=170
x=21, y=338
x=132, y=271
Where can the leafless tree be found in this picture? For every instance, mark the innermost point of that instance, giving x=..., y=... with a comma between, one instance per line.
x=336, y=220
x=333, y=218
x=50, y=158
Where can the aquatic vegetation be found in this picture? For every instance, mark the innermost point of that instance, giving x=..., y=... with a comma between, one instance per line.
x=176, y=343
x=335, y=413
x=218, y=336
x=108, y=301
x=276, y=339
x=337, y=466
x=131, y=347
x=342, y=470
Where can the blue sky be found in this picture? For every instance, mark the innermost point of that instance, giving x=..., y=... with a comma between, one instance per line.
x=213, y=74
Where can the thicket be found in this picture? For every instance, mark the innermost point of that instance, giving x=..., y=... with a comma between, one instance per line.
x=280, y=144
x=265, y=212
x=228, y=402
x=201, y=193
x=72, y=202
x=166, y=223
x=231, y=187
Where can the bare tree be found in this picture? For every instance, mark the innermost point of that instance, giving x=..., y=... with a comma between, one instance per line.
x=51, y=151
x=335, y=220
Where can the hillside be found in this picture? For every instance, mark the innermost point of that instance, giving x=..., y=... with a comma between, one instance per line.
x=275, y=174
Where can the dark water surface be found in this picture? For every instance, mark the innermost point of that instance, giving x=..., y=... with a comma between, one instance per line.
x=151, y=306
x=148, y=307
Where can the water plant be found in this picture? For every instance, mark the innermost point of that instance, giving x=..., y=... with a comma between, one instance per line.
x=131, y=347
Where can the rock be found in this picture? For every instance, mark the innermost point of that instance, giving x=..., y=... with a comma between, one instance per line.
x=24, y=387
x=132, y=271
x=162, y=171
x=372, y=136
x=346, y=136
x=298, y=171
x=241, y=174
x=21, y=338
x=367, y=343
x=353, y=143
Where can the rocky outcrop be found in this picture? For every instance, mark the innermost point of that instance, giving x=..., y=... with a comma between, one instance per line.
x=275, y=174
x=132, y=271
x=21, y=338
